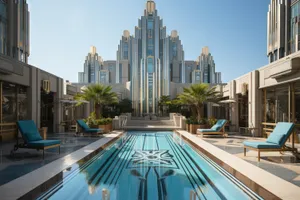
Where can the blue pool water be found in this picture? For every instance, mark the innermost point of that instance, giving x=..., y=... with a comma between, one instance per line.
x=149, y=166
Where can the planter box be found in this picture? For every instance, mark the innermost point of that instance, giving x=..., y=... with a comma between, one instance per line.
x=193, y=128
x=102, y=127
x=187, y=127
x=108, y=127
x=203, y=126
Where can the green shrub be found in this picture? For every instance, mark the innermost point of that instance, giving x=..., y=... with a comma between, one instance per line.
x=212, y=121
x=108, y=120
x=202, y=121
x=103, y=121
x=91, y=120
x=188, y=121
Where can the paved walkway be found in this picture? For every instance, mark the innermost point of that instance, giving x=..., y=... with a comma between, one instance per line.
x=27, y=160
x=284, y=166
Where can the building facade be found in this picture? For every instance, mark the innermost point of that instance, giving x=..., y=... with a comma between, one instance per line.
x=27, y=92
x=283, y=28
x=150, y=61
x=14, y=29
x=270, y=94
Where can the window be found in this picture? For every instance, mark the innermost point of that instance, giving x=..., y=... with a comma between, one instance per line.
x=111, y=68
x=9, y=103
x=150, y=24
x=125, y=51
x=174, y=49
x=22, y=103
x=150, y=66
x=277, y=104
x=3, y=27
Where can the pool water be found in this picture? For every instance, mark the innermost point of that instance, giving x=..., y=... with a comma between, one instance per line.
x=149, y=166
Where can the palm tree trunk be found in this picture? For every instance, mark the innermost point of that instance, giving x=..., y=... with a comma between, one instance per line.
x=97, y=111
x=198, y=113
x=100, y=111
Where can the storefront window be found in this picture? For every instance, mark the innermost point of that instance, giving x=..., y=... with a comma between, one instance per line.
x=23, y=103
x=277, y=104
x=9, y=103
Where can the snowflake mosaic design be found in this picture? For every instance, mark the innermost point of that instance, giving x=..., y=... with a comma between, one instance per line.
x=152, y=158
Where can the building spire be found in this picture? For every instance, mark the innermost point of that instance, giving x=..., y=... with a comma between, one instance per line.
x=150, y=6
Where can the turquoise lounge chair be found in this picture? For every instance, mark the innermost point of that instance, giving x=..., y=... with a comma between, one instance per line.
x=32, y=138
x=217, y=129
x=86, y=129
x=275, y=142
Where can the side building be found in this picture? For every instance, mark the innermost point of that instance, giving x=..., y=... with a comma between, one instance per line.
x=27, y=93
x=96, y=70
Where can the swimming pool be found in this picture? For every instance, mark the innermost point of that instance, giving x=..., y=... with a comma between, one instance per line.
x=149, y=166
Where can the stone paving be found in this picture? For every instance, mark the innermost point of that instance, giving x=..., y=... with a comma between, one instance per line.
x=285, y=166
x=26, y=160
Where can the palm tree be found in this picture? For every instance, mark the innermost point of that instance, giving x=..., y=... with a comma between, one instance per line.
x=100, y=95
x=163, y=102
x=198, y=94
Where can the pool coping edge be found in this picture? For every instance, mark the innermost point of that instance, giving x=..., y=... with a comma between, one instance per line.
x=262, y=182
x=37, y=181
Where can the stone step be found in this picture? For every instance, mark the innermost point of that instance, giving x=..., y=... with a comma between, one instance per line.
x=150, y=122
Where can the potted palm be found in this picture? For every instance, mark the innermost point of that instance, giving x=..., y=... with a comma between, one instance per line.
x=100, y=95
x=108, y=124
x=101, y=124
x=194, y=126
x=202, y=124
x=187, y=124
x=197, y=95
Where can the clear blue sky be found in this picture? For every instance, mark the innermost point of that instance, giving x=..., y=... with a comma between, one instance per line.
x=62, y=31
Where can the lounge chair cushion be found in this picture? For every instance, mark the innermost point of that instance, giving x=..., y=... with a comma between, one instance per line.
x=261, y=145
x=275, y=138
x=283, y=128
x=220, y=123
x=82, y=124
x=93, y=130
x=32, y=136
x=28, y=130
x=206, y=130
x=43, y=143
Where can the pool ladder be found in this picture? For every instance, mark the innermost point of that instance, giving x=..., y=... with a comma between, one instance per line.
x=105, y=194
x=192, y=195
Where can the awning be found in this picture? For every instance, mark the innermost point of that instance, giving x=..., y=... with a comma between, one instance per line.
x=73, y=101
x=228, y=101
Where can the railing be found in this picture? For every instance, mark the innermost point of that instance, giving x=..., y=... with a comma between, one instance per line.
x=123, y=121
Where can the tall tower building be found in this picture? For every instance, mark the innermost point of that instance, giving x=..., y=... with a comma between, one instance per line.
x=148, y=55
x=278, y=44
x=123, y=58
x=206, y=65
x=92, y=67
x=176, y=58
x=14, y=34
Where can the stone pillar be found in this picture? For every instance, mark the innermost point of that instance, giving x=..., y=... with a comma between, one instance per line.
x=255, y=104
x=34, y=96
x=58, y=106
x=234, y=107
